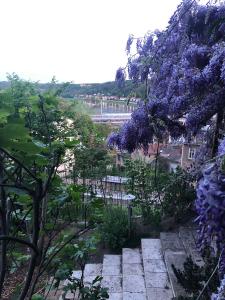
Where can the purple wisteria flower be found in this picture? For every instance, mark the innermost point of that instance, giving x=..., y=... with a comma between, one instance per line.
x=221, y=148
x=129, y=43
x=120, y=77
x=220, y=295
x=114, y=140
x=210, y=206
x=184, y=67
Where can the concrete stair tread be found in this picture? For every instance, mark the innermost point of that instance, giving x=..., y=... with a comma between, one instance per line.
x=111, y=259
x=131, y=256
x=155, y=272
x=134, y=296
x=175, y=258
x=157, y=280
x=93, y=270
x=112, y=275
x=154, y=266
x=134, y=283
x=159, y=294
x=115, y=296
x=187, y=237
x=133, y=269
x=113, y=283
x=146, y=273
x=171, y=240
x=151, y=249
x=111, y=270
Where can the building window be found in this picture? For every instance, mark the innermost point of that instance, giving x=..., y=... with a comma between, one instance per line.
x=191, y=153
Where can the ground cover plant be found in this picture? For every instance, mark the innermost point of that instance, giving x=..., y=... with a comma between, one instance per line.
x=114, y=229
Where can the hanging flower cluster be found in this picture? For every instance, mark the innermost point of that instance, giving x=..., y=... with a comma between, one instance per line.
x=184, y=67
x=220, y=295
x=147, y=121
x=210, y=206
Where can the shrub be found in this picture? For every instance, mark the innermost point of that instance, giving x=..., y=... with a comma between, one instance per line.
x=114, y=229
x=150, y=214
x=179, y=195
x=193, y=277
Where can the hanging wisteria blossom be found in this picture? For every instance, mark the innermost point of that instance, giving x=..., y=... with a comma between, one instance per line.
x=184, y=66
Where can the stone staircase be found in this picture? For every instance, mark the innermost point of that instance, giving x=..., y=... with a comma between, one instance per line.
x=145, y=273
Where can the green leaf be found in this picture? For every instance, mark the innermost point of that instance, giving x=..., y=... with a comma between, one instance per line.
x=37, y=297
x=24, y=199
x=13, y=131
x=28, y=147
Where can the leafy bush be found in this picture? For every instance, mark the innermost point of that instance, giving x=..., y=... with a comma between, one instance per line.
x=160, y=193
x=95, y=211
x=179, y=194
x=114, y=229
x=92, y=291
x=193, y=277
x=151, y=215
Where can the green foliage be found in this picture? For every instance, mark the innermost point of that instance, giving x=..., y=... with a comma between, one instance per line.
x=114, y=229
x=39, y=210
x=179, y=194
x=71, y=256
x=144, y=180
x=18, y=260
x=193, y=277
x=96, y=207
x=151, y=215
x=93, y=291
x=37, y=206
x=84, y=248
x=107, y=88
x=160, y=193
x=147, y=185
x=78, y=254
x=37, y=297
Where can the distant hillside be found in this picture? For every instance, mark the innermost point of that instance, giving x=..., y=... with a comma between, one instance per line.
x=107, y=88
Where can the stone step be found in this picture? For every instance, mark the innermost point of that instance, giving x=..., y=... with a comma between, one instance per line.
x=177, y=259
x=151, y=249
x=187, y=236
x=133, y=275
x=146, y=273
x=171, y=241
x=112, y=276
x=90, y=273
x=173, y=253
x=52, y=293
x=155, y=273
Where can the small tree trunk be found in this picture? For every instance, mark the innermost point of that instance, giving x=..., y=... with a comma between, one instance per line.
x=35, y=236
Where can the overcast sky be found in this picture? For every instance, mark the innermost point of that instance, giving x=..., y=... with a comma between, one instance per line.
x=75, y=40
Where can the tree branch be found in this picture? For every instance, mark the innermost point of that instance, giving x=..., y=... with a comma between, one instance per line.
x=77, y=234
x=18, y=240
x=20, y=187
x=19, y=163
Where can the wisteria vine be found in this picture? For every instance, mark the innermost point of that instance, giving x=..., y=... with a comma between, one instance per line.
x=184, y=71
